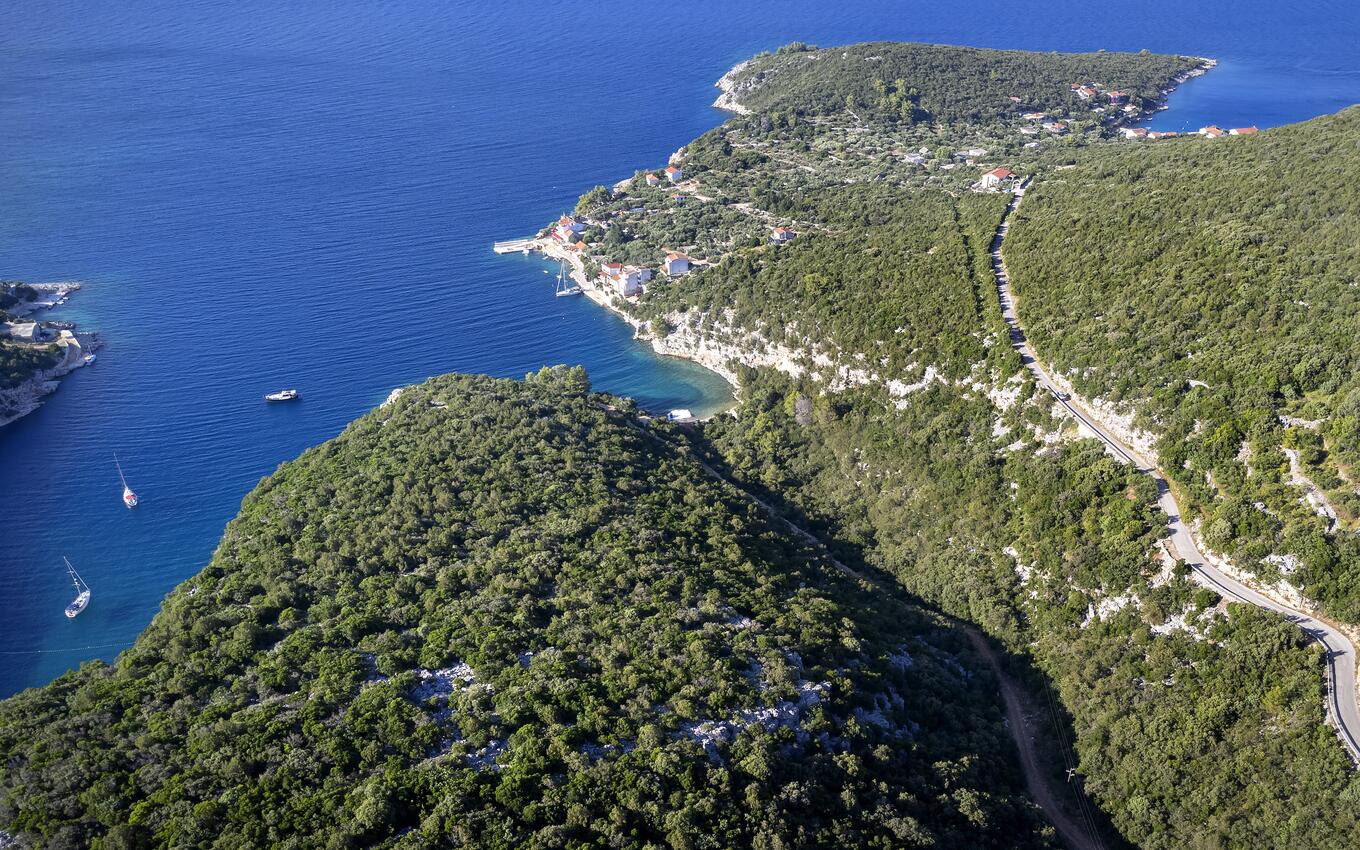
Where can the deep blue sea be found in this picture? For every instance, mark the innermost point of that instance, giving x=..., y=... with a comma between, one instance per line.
x=266, y=194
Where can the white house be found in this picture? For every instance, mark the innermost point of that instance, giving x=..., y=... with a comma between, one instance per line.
x=626, y=280
x=674, y=173
x=1243, y=131
x=915, y=159
x=1133, y=132
x=1117, y=96
x=1084, y=92
x=676, y=264
x=628, y=283
x=652, y=179
x=26, y=331
x=996, y=177
x=1212, y=132
x=782, y=235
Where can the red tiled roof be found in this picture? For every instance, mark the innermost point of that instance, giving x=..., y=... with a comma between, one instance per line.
x=1002, y=173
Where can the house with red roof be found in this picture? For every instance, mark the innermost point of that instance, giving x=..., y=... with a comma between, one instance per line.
x=676, y=264
x=782, y=235
x=674, y=173
x=1212, y=132
x=994, y=178
x=1243, y=131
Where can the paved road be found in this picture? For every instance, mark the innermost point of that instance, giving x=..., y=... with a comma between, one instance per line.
x=1342, y=702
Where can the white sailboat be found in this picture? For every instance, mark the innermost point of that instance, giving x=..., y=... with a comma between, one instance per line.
x=563, y=287
x=82, y=591
x=129, y=497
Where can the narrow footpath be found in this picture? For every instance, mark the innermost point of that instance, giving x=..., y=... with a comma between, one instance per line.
x=1343, y=703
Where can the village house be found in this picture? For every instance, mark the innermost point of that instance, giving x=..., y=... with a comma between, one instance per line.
x=1054, y=127
x=626, y=280
x=26, y=331
x=1133, y=132
x=1034, y=116
x=1212, y=132
x=994, y=178
x=568, y=228
x=1162, y=134
x=1084, y=92
x=782, y=235
x=1117, y=97
x=674, y=173
x=676, y=264
x=971, y=153
x=652, y=179
x=1243, y=131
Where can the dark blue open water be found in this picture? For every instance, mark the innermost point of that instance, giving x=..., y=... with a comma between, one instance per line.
x=260, y=194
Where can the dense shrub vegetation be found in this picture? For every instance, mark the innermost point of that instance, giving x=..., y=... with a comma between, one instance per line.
x=1213, y=284
x=898, y=81
x=497, y=614
x=19, y=362
x=1197, y=724
x=883, y=272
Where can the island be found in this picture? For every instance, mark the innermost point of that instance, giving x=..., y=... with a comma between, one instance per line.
x=36, y=354
x=930, y=583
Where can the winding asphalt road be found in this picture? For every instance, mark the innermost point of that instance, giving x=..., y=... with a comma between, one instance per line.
x=1342, y=703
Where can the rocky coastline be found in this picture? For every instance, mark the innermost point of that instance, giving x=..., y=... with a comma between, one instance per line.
x=20, y=400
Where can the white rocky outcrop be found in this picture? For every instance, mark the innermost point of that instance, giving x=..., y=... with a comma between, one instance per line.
x=727, y=84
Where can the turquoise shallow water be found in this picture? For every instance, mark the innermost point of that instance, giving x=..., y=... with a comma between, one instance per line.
x=258, y=197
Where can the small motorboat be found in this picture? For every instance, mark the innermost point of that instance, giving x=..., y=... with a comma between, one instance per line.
x=89, y=359
x=82, y=592
x=282, y=395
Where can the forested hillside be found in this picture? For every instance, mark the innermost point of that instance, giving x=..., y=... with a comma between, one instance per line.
x=1212, y=285
x=942, y=83
x=500, y=614
x=1197, y=723
x=905, y=437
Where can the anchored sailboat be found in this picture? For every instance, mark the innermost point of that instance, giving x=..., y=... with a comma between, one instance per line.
x=563, y=287
x=82, y=591
x=129, y=497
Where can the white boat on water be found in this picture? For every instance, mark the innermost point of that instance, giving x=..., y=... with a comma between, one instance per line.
x=82, y=591
x=129, y=497
x=563, y=287
x=89, y=359
x=282, y=395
